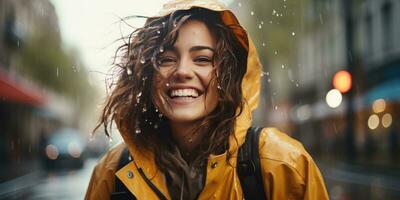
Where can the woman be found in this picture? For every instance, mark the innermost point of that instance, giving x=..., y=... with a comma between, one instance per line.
x=188, y=82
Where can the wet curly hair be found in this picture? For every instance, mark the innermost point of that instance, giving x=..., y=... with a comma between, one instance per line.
x=131, y=96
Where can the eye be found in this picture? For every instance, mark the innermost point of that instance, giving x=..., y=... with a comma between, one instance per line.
x=203, y=60
x=166, y=61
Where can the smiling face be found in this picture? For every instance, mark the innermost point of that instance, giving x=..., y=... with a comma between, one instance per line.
x=184, y=90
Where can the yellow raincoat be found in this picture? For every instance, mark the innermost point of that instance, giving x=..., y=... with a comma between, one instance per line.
x=288, y=170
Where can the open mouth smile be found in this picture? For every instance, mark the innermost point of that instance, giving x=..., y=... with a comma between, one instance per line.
x=183, y=95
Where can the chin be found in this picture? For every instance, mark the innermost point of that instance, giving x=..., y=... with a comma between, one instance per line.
x=187, y=116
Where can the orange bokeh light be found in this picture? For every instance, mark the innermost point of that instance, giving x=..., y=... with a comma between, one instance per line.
x=342, y=81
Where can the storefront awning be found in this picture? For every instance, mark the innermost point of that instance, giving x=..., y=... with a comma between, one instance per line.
x=389, y=91
x=13, y=91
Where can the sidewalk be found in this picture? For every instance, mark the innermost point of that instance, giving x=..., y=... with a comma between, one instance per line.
x=346, y=181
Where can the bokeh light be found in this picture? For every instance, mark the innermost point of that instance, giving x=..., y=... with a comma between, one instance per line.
x=379, y=105
x=387, y=120
x=342, y=81
x=373, y=121
x=333, y=98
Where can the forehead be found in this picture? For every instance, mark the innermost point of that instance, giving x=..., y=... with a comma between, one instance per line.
x=194, y=32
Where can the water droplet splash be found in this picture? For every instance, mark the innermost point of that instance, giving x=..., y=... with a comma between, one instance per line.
x=142, y=60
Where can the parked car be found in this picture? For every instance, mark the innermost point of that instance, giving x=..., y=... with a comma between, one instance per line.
x=64, y=149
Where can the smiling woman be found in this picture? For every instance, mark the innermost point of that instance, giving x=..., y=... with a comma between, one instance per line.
x=186, y=85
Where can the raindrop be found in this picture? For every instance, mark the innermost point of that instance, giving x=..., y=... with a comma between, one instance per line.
x=270, y=22
x=158, y=31
x=269, y=80
x=58, y=72
x=144, y=109
x=320, y=19
x=160, y=115
x=128, y=71
x=138, y=97
x=262, y=22
x=240, y=4
x=142, y=60
x=155, y=126
x=264, y=73
x=190, y=140
x=163, y=24
x=281, y=14
x=297, y=84
x=144, y=78
x=251, y=13
x=110, y=140
x=161, y=49
x=273, y=12
x=277, y=14
x=156, y=110
x=283, y=66
x=17, y=43
x=167, y=85
x=259, y=26
x=263, y=44
x=284, y=6
x=138, y=131
x=293, y=33
x=276, y=107
x=276, y=53
x=219, y=87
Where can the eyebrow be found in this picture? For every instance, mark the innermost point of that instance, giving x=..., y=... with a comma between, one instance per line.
x=194, y=48
x=199, y=48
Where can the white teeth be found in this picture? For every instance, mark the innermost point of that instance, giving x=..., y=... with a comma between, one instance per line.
x=184, y=93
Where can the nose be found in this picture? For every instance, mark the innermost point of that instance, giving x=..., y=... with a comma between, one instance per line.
x=183, y=71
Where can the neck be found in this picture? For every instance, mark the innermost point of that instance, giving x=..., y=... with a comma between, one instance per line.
x=184, y=134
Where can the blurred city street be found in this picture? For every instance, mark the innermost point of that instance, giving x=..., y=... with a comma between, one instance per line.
x=47, y=185
x=330, y=79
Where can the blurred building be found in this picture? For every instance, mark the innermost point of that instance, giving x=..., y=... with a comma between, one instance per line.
x=374, y=62
x=27, y=111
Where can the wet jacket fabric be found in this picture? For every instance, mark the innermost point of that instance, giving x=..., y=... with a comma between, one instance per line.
x=288, y=170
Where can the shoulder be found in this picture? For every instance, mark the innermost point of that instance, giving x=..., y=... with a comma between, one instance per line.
x=103, y=176
x=285, y=163
x=278, y=147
